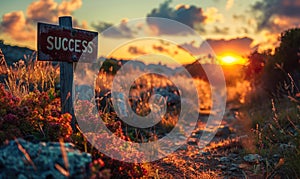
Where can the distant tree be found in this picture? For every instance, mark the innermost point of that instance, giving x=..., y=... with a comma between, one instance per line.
x=284, y=64
x=288, y=53
x=111, y=66
x=255, y=67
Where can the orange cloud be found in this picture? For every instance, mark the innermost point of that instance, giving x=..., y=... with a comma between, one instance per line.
x=67, y=7
x=49, y=10
x=280, y=23
x=15, y=25
x=267, y=40
x=269, y=13
x=42, y=10
x=185, y=6
x=239, y=46
x=21, y=27
x=134, y=50
x=229, y=4
x=160, y=48
x=212, y=15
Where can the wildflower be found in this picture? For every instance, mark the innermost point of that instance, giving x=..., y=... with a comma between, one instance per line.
x=99, y=162
x=21, y=63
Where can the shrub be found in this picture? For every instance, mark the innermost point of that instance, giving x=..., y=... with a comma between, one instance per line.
x=275, y=125
x=36, y=115
x=30, y=75
x=88, y=121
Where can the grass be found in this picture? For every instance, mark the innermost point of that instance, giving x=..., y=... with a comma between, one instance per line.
x=275, y=126
x=140, y=93
x=29, y=75
x=273, y=123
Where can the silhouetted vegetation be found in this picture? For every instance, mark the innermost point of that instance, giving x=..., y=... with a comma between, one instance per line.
x=273, y=106
x=273, y=71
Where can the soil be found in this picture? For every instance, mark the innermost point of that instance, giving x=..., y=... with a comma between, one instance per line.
x=223, y=157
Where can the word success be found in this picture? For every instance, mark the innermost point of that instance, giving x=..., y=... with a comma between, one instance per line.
x=72, y=45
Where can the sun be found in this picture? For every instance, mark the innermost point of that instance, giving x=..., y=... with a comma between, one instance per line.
x=231, y=60
x=228, y=59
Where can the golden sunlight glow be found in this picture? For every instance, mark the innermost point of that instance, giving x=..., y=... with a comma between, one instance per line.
x=145, y=47
x=232, y=60
x=228, y=59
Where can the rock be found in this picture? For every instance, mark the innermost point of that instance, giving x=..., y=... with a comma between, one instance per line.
x=252, y=158
x=233, y=169
x=43, y=162
x=84, y=92
x=222, y=167
x=284, y=147
x=21, y=176
x=205, y=153
x=182, y=137
x=172, y=98
x=223, y=132
x=224, y=159
x=234, y=165
x=231, y=155
x=243, y=166
x=192, y=141
x=184, y=147
x=196, y=135
x=276, y=156
x=199, y=133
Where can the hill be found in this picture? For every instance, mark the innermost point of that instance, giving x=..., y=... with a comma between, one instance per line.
x=14, y=53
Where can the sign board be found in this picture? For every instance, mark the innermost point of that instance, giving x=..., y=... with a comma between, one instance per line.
x=57, y=43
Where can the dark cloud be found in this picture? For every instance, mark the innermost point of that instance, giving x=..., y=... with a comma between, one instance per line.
x=219, y=30
x=101, y=26
x=109, y=30
x=192, y=48
x=191, y=16
x=160, y=48
x=244, y=30
x=134, y=50
x=241, y=46
x=267, y=10
x=239, y=17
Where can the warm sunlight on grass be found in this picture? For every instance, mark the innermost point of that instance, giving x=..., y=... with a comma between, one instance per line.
x=232, y=60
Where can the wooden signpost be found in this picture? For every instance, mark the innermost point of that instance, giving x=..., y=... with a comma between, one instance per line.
x=66, y=45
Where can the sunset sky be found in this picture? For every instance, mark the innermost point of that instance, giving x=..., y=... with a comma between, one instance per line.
x=229, y=26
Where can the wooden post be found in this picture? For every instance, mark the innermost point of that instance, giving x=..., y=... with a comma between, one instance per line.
x=67, y=90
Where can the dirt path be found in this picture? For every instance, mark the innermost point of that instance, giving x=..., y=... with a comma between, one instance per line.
x=223, y=157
